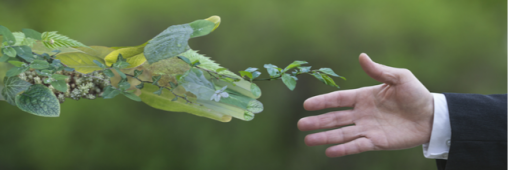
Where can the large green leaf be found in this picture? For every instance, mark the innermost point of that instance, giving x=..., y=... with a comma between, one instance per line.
x=83, y=62
x=7, y=35
x=164, y=102
x=168, y=43
x=13, y=86
x=40, y=101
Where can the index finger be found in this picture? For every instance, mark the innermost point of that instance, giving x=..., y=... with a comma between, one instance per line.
x=343, y=98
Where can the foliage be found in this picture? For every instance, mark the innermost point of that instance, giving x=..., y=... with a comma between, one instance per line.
x=175, y=78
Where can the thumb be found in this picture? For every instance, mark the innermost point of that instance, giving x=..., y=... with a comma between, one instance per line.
x=382, y=73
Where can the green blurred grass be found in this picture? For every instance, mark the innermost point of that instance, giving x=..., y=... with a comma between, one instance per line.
x=451, y=46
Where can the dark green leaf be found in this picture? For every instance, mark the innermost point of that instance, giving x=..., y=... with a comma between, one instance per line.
x=155, y=79
x=273, y=70
x=328, y=71
x=185, y=59
x=60, y=85
x=132, y=96
x=30, y=33
x=59, y=77
x=158, y=92
x=319, y=77
x=195, y=63
x=169, y=43
x=7, y=35
x=289, y=81
x=16, y=63
x=39, y=64
x=110, y=92
x=101, y=65
x=120, y=73
x=48, y=80
x=173, y=85
x=201, y=27
x=71, y=69
x=39, y=100
x=121, y=62
x=12, y=87
x=9, y=51
x=109, y=73
x=255, y=90
x=44, y=72
x=305, y=69
x=294, y=64
x=124, y=85
x=4, y=58
x=137, y=73
x=140, y=85
x=57, y=64
x=25, y=52
x=15, y=71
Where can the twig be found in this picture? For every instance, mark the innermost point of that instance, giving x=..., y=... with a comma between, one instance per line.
x=184, y=98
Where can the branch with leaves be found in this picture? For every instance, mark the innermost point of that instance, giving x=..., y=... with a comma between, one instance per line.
x=164, y=73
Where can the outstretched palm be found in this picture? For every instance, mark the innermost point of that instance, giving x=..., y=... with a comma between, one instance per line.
x=395, y=115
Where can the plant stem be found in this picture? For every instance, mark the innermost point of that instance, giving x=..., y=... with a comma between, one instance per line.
x=182, y=97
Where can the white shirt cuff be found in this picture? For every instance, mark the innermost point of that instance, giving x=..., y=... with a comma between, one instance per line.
x=439, y=144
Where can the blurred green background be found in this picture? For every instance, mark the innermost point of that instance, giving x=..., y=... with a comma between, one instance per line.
x=451, y=46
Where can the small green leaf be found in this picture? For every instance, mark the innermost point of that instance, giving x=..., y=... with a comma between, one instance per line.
x=140, y=85
x=7, y=35
x=25, y=52
x=57, y=64
x=109, y=73
x=32, y=33
x=328, y=71
x=59, y=77
x=137, y=73
x=9, y=51
x=174, y=99
x=101, y=65
x=255, y=74
x=13, y=86
x=289, y=81
x=110, y=92
x=158, y=92
x=16, y=63
x=39, y=64
x=329, y=81
x=48, y=80
x=4, y=58
x=305, y=69
x=39, y=100
x=220, y=69
x=201, y=28
x=185, y=59
x=294, y=64
x=121, y=62
x=44, y=72
x=120, y=73
x=124, y=85
x=273, y=70
x=15, y=71
x=173, y=85
x=255, y=90
x=246, y=73
x=319, y=77
x=132, y=96
x=155, y=79
x=60, y=85
x=195, y=63
x=52, y=40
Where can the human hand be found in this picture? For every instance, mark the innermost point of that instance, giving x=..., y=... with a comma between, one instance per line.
x=395, y=115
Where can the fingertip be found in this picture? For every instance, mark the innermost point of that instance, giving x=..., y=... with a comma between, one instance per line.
x=303, y=124
x=308, y=104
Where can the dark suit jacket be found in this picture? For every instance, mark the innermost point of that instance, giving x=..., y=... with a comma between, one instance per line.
x=478, y=138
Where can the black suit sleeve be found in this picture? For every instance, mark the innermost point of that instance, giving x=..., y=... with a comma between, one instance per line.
x=478, y=138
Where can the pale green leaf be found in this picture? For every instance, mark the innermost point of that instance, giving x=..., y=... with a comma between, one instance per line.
x=169, y=43
x=256, y=91
x=39, y=64
x=53, y=40
x=9, y=51
x=294, y=64
x=30, y=33
x=40, y=101
x=289, y=81
x=60, y=85
x=328, y=71
x=83, y=62
x=201, y=27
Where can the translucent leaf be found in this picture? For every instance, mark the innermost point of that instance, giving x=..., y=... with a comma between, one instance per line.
x=164, y=102
x=83, y=62
x=198, y=85
x=305, y=69
x=289, y=81
x=13, y=86
x=32, y=33
x=133, y=55
x=256, y=91
x=272, y=70
x=328, y=71
x=246, y=73
x=39, y=100
x=53, y=40
x=7, y=35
